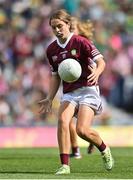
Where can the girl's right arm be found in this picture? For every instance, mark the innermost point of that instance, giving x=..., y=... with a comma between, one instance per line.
x=54, y=86
x=46, y=104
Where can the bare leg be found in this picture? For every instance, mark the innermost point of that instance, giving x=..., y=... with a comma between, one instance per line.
x=85, y=117
x=73, y=133
x=66, y=112
x=74, y=141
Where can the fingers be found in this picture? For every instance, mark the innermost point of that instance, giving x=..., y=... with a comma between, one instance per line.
x=44, y=109
x=41, y=110
x=92, y=79
x=92, y=68
x=41, y=101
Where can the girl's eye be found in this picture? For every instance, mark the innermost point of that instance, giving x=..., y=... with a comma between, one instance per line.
x=59, y=26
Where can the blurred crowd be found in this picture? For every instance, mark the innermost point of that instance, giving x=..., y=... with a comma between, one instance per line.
x=24, y=70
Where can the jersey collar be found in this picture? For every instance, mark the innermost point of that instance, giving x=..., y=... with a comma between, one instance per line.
x=65, y=44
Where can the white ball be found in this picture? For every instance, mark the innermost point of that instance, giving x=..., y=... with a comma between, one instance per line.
x=69, y=70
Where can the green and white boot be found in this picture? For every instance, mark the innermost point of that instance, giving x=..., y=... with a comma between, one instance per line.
x=108, y=160
x=64, y=169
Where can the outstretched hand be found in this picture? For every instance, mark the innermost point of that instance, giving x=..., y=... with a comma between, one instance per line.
x=45, y=105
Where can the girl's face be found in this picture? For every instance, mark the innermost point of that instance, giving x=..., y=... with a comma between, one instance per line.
x=61, y=29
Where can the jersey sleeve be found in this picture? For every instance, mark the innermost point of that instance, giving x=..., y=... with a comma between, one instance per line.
x=90, y=50
x=53, y=67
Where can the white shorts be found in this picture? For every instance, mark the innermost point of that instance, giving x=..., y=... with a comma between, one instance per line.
x=88, y=96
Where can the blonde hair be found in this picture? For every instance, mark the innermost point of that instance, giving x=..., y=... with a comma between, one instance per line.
x=85, y=28
x=62, y=15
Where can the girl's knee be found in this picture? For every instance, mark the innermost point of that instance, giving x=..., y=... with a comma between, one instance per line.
x=63, y=122
x=82, y=131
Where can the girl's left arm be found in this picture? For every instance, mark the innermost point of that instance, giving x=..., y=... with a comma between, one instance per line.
x=96, y=71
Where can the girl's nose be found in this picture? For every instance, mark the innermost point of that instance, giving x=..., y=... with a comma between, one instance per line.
x=57, y=29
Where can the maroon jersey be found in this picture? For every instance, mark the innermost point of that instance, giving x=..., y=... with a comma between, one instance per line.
x=78, y=48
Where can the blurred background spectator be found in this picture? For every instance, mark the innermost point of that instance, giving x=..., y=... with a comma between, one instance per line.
x=24, y=70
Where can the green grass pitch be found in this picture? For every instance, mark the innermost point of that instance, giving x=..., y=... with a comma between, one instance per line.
x=41, y=163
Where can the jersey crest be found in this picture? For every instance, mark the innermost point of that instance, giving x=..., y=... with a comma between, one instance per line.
x=73, y=52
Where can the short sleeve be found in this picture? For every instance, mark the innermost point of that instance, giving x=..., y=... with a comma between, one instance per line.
x=90, y=50
x=53, y=66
